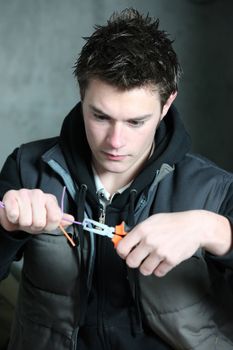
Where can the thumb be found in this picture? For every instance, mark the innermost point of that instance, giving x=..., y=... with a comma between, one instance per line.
x=66, y=220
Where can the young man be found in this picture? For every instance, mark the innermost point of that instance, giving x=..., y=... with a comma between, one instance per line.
x=123, y=155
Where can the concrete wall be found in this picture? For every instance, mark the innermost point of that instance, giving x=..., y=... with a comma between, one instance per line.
x=40, y=39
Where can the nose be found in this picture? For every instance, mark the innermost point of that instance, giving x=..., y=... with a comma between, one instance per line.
x=115, y=137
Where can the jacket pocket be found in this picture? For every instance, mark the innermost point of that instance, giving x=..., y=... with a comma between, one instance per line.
x=180, y=306
x=52, y=263
x=28, y=335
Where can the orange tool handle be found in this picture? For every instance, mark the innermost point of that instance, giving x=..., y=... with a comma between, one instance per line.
x=119, y=233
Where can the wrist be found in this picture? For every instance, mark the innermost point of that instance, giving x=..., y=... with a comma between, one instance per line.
x=216, y=233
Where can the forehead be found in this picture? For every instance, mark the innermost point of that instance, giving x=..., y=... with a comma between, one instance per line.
x=96, y=85
x=111, y=99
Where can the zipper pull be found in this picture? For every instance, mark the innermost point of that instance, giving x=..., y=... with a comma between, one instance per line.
x=102, y=215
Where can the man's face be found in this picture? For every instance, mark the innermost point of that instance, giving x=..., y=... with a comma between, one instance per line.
x=120, y=126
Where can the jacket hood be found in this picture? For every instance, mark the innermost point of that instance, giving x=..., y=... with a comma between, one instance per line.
x=171, y=144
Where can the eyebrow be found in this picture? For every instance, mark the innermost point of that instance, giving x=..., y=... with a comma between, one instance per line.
x=142, y=117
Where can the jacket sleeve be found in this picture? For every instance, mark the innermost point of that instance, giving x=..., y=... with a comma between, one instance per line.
x=11, y=244
x=226, y=210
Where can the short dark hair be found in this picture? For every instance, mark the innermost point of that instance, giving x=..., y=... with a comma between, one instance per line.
x=129, y=51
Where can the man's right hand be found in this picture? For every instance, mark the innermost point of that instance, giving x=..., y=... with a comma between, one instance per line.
x=32, y=211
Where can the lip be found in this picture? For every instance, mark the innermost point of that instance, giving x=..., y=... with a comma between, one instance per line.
x=116, y=157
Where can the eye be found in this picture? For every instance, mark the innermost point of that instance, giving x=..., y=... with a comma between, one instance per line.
x=136, y=123
x=100, y=117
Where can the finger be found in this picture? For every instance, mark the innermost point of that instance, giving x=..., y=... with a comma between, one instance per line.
x=18, y=208
x=5, y=223
x=168, y=263
x=163, y=268
x=39, y=212
x=126, y=244
x=150, y=264
x=11, y=211
x=54, y=213
x=137, y=255
x=67, y=220
x=25, y=209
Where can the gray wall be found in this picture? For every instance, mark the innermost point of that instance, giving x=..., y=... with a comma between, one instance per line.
x=40, y=39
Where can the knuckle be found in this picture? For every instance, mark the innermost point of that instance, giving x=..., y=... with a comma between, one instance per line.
x=9, y=197
x=12, y=216
x=9, y=194
x=145, y=270
x=123, y=255
x=170, y=261
x=148, y=241
x=141, y=230
x=56, y=213
x=160, y=254
x=159, y=272
x=23, y=192
x=120, y=250
x=25, y=222
x=51, y=198
x=131, y=262
x=55, y=218
x=37, y=193
x=38, y=226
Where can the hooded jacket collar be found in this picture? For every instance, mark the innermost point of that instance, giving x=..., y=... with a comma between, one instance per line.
x=171, y=140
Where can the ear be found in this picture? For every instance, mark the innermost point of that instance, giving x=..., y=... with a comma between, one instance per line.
x=167, y=105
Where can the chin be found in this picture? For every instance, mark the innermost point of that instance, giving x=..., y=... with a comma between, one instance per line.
x=114, y=169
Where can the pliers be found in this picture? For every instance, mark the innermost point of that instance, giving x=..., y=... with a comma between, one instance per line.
x=115, y=233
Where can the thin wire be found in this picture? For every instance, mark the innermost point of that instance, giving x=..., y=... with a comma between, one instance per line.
x=72, y=221
x=62, y=208
x=2, y=205
x=67, y=236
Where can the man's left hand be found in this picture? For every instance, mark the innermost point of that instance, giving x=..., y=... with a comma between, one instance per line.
x=163, y=241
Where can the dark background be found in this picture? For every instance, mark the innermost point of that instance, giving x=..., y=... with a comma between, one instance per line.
x=40, y=40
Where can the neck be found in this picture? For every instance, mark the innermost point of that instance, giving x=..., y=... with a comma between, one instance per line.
x=112, y=182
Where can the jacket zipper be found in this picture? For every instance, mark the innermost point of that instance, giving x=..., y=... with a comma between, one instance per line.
x=101, y=291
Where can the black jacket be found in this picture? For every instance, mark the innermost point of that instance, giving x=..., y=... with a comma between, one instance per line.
x=57, y=280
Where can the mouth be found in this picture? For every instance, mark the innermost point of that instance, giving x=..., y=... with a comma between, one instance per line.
x=114, y=157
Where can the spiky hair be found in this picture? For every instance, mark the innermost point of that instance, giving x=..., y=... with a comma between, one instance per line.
x=129, y=51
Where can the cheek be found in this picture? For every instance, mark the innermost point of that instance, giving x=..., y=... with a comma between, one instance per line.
x=145, y=138
x=94, y=135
